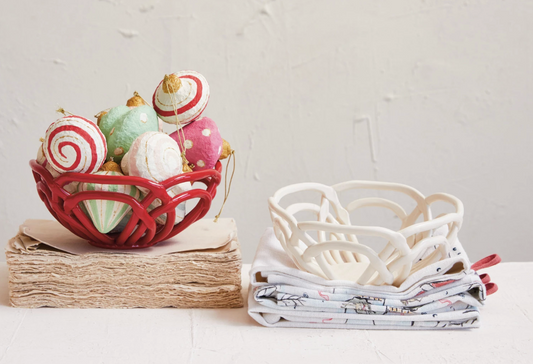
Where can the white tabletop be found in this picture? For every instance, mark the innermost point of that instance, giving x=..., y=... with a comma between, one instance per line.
x=49, y=335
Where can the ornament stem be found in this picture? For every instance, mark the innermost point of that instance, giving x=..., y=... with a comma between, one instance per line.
x=63, y=111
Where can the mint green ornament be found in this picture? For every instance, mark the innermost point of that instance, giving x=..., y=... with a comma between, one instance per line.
x=107, y=214
x=121, y=127
x=108, y=121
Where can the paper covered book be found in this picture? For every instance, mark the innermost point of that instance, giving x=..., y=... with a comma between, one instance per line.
x=199, y=268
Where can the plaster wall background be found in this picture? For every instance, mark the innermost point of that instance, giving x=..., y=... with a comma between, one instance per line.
x=446, y=87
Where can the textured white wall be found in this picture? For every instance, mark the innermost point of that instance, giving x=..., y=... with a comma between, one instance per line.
x=446, y=84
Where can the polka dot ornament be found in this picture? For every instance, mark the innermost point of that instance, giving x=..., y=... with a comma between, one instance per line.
x=202, y=142
x=123, y=124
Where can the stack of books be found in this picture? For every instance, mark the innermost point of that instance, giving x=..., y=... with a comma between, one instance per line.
x=51, y=267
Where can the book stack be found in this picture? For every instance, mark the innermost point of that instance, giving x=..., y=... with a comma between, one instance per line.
x=51, y=267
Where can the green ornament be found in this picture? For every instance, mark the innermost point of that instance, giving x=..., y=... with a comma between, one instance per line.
x=107, y=214
x=121, y=127
x=108, y=121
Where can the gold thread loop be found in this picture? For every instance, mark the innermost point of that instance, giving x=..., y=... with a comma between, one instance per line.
x=63, y=111
x=136, y=100
x=227, y=187
x=172, y=86
x=135, y=93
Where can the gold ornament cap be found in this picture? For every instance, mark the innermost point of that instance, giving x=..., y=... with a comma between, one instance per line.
x=226, y=150
x=111, y=167
x=99, y=116
x=171, y=84
x=135, y=100
x=186, y=168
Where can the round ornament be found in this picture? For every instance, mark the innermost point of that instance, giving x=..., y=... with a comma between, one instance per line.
x=202, y=143
x=72, y=187
x=124, y=164
x=41, y=159
x=184, y=93
x=108, y=119
x=155, y=156
x=74, y=144
x=127, y=128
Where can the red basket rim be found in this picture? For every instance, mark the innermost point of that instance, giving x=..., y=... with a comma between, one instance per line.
x=141, y=231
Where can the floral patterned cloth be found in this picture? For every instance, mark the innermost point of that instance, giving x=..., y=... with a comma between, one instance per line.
x=435, y=297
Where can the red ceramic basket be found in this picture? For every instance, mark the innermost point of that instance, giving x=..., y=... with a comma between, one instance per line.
x=141, y=231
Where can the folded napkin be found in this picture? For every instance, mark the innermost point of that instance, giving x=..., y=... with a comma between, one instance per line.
x=445, y=294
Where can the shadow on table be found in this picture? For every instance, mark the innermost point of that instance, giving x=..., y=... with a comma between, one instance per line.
x=234, y=316
x=4, y=298
x=4, y=289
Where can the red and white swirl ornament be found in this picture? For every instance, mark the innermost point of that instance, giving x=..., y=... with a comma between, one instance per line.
x=185, y=93
x=74, y=144
x=72, y=187
x=41, y=159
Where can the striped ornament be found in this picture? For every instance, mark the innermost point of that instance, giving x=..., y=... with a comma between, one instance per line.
x=122, y=224
x=190, y=98
x=41, y=159
x=74, y=144
x=106, y=214
x=154, y=156
x=72, y=187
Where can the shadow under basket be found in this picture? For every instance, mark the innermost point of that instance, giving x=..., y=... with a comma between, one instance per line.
x=142, y=230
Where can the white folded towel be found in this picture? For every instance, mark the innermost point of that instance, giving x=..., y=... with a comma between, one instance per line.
x=445, y=294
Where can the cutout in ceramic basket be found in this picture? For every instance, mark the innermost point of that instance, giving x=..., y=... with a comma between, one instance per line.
x=338, y=253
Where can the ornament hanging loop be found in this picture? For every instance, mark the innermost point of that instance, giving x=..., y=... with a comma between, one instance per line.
x=227, y=187
x=63, y=111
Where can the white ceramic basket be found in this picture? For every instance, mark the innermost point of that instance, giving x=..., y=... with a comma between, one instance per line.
x=338, y=254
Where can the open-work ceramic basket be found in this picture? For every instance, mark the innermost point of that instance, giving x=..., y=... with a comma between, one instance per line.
x=329, y=246
x=142, y=230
